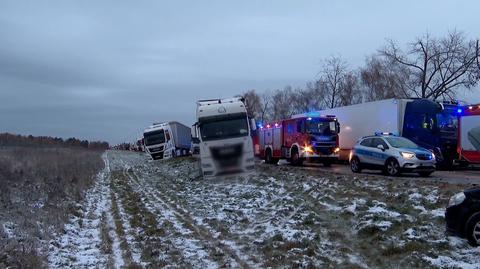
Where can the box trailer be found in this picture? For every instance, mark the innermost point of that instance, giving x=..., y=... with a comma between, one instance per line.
x=420, y=120
x=167, y=140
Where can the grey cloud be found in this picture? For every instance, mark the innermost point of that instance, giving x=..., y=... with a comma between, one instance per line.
x=106, y=69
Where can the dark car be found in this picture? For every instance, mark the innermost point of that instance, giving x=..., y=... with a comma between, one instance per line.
x=463, y=215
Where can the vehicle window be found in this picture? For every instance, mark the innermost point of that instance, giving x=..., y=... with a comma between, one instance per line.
x=366, y=142
x=428, y=121
x=226, y=127
x=321, y=127
x=290, y=128
x=153, y=138
x=378, y=141
x=447, y=121
x=401, y=142
x=300, y=126
x=375, y=142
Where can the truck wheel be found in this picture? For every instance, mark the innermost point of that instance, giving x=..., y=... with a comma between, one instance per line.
x=174, y=153
x=268, y=157
x=392, y=168
x=472, y=230
x=355, y=165
x=295, y=158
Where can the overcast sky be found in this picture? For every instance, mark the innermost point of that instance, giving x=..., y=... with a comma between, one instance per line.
x=107, y=69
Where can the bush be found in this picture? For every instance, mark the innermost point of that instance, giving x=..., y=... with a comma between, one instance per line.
x=40, y=188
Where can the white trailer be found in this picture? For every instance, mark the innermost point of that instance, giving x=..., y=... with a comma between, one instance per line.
x=224, y=137
x=167, y=140
x=365, y=119
x=419, y=120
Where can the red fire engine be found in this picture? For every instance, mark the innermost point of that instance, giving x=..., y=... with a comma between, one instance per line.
x=299, y=139
x=469, y=134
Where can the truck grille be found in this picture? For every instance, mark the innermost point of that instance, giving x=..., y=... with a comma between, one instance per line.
x=424, y=157
x=156, y=149
x=324, y=150
x=228, y=156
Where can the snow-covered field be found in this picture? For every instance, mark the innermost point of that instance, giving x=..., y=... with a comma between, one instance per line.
x=142, y=213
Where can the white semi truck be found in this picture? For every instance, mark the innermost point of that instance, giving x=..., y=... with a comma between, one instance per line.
x=223, y=133
x=430, y=124
x=167, y=140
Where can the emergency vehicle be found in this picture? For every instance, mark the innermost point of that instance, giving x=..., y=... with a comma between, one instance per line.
x=468, y=146
x=392, y=154
x=299, y=139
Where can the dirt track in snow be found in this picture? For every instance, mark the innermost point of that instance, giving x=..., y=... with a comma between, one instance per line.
x=160, y=214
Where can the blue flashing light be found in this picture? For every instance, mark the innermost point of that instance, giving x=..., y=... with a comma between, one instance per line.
x=313, y=114
x=459, y=111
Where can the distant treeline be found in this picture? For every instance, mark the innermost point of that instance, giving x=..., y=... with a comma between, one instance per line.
x=7, y=139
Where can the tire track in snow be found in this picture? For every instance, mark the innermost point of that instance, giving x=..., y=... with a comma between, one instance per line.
x=192, y=249
x=178, y=215
x=80, y=245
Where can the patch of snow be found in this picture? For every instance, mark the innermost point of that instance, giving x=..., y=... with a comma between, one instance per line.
x=381, y=210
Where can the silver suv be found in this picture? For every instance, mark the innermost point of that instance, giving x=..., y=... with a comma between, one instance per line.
x=392, y=154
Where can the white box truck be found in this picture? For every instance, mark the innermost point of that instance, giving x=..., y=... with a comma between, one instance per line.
x=167, y=140
x=223, y=133
x=430, y=124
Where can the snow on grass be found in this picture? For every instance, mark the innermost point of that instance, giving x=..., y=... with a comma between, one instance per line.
x=116, y=250
x=284, y=216
x=379, y=209
x=80, y=245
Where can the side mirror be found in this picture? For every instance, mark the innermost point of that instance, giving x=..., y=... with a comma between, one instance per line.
x=338, y=127
x=381, y=147
x=253, y=125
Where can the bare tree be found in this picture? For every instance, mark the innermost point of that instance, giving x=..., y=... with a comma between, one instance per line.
x=253, y=103
x=349, y=89
x=337, y=85
x=306, y=99
x=334, y=68
x=265, y=109
x=383, y=79
x=477, y=49
x=282, y=105
x=438, y=66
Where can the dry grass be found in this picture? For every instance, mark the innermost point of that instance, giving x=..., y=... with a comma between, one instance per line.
x=40, y=188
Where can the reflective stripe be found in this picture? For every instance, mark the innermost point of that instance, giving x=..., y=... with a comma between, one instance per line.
x=371, y=153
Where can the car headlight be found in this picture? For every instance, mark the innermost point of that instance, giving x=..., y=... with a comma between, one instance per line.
x=407, y=155
x=456, y=199
x=308, y=149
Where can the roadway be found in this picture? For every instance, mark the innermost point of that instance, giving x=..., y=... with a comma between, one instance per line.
x=458, y=176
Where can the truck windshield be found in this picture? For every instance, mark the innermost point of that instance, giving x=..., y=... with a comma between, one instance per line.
x=155, y=137
x=400, y=142
x=447, y=121
x=224, y=127
x=321, y=127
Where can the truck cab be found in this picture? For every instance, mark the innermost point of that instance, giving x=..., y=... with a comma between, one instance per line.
x=434, y=126
x=223, y=132
x=158, y=141
x=313, y=138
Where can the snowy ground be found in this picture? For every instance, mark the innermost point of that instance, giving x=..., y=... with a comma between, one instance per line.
x=142, y=213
